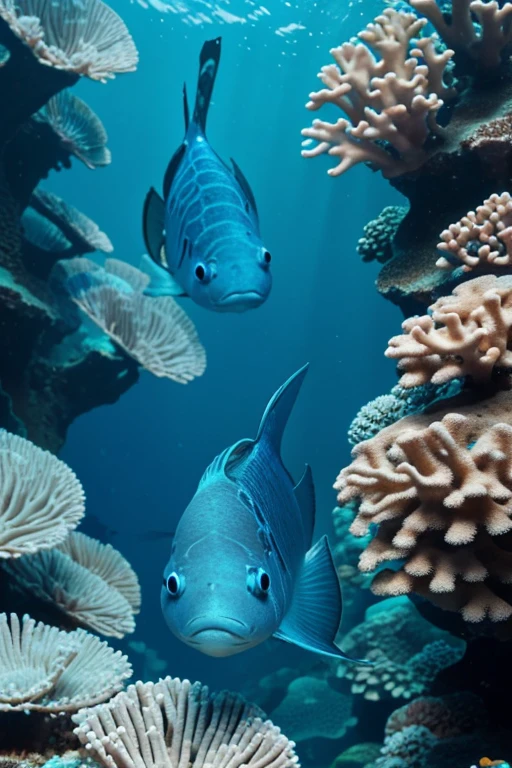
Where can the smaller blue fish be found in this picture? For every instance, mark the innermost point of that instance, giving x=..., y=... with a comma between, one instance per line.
x=203, y=236
x=242, y=567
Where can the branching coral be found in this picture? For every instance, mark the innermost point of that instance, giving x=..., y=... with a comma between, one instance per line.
x=441, y=493
x=466, y=334
x=46, y=670
x=174, y=723
x=89, y=583
x=83, y=38
x=392, y=100
x=406, y=653
x=481, y=237
x=41, y=499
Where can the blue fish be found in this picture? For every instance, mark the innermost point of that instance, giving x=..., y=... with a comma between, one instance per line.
x=203, y=236
x=242, y=567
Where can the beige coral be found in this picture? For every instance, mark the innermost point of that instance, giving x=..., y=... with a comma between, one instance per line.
x=84, y=38
x=485, y=45
x=173, y=724
x=41, y=499
x=392, y=99
x=481, y=237
x=89, y=582
x=467, y=334
x=44, y=669
x=441, y=495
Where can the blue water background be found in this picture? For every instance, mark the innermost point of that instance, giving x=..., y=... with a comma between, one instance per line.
x=140, y=459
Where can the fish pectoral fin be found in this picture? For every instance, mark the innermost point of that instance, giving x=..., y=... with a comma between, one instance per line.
x=245, y=186
x=153, y=222
x=305, y=495
x=161, y=282
x=314, y=616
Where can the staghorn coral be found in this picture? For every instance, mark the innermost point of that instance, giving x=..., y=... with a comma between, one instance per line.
x=481, y=237
x=41, y=499
x=43, y=669
x=406, y=652
x=440, y=492
x=390, y=102
x=174, y=722
x=465, y=334
x=83, y=38
x=90, y=585
x=312, y=709
x=79, y=129
x=379, y=233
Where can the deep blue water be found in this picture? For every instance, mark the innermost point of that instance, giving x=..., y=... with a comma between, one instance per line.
x=140, y=459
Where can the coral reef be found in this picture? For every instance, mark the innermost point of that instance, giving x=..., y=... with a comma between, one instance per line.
x=174, y=722
x=379, y=233
x=407, y=654
x=48, y=48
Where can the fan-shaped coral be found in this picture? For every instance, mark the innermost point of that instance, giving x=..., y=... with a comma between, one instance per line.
x=79, y=129
x=466, y=334
x=89, y=583
x=83, y=38
x=41, y=499
x=174, y=723
x=440, y=492
x=481, y=237
x=390, y=102
x=46, y=670
x=407, y=653
x=84, y=235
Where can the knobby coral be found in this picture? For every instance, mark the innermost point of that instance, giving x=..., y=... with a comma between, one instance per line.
x=41, y=499
x=466, y=334
x=441, y=495
x=89, y=583
x=390, y=102
x=379, y=234
x=481, y=237
x=175, y=723
x=47, y=670
x=84, y=38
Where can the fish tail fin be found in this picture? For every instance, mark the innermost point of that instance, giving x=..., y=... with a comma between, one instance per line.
x=208, y=66
x=186, y=111
x=278, y=410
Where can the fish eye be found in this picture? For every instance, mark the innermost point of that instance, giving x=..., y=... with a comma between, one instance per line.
x=267, y=257
x=174, y=584
x=200, y=272
x=258, y=581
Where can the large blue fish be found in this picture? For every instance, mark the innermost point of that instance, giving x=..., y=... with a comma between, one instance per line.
x=204, y=234
x=242, y=567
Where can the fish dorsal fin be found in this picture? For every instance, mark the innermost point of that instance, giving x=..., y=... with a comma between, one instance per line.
x=153, y=218
x=305, y=495
x=225, y=461
x=278, y=411
x=172, y=169
x=208, y=66
x=314, y=616
x=245, y=186
x=186, y=111
x=161, y=283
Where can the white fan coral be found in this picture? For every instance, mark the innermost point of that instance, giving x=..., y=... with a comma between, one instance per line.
x=174, y=724
x=85, y=37
x=41, y=499
x=84, y=235
x=91, y=583
x=44, y=669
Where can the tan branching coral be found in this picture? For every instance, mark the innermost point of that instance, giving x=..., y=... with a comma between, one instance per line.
x=46, y=670
x=481, y=237
x=486, y=44
x=79, y=129
x=441, y=495
x=392, y=99
x=84, y=38
x=89, y=582
x=41, y=499
x=467, y=334
x=175, y=723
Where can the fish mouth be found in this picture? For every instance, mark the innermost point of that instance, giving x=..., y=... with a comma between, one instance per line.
x=222, y=627
x=241, y=300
